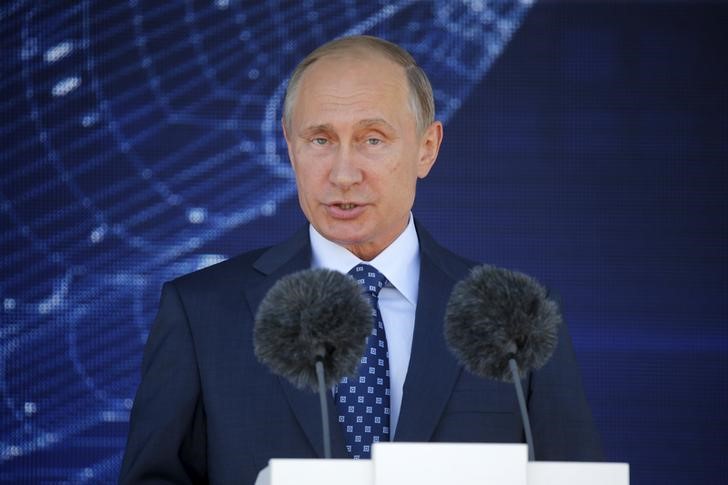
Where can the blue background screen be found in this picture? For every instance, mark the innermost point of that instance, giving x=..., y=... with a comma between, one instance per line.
x=586, y=143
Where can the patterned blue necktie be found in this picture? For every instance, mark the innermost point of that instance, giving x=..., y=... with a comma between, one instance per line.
x=363, y=401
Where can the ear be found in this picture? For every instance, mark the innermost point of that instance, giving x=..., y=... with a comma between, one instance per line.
x=429, y=148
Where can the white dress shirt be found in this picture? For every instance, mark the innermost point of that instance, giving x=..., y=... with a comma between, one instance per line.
x=400, y=264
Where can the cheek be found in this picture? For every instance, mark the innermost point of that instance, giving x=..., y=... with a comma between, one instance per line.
x=399, y=185
x=308, y=175
x=305, y=187
x=403, y=175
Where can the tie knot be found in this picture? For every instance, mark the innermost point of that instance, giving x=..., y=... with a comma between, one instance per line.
x=369, y=278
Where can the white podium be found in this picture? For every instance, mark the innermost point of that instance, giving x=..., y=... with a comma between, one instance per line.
x=442, y=463
x=320, y=472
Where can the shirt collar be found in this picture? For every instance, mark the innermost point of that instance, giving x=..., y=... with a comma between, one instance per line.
x=399, y=262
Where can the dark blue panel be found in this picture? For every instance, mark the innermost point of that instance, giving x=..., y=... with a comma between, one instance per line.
x=586, y=143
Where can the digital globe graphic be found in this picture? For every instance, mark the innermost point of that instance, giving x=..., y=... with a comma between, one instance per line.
x=134, y=135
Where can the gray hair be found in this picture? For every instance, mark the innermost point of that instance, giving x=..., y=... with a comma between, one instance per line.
x=421, y=99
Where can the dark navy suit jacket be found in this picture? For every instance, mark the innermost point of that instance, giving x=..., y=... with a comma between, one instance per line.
x=208, y=411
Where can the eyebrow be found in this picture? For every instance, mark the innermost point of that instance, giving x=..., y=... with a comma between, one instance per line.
x=359, y=124
x=317, y=128
x=374, y=121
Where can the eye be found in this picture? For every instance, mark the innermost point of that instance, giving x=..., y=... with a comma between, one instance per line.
x=319, y=141
x=373, y=141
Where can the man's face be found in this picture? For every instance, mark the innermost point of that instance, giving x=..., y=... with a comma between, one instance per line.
x=353, y=143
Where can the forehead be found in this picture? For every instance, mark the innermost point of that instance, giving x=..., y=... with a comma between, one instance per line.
x=353, y=84
x=377, y=63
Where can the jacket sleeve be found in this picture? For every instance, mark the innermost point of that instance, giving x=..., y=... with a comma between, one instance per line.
x=561, y=420
x=167, y=432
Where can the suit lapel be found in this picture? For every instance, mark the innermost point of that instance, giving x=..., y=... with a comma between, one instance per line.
x=288, y=257
x=432, y=370
x=305, y=406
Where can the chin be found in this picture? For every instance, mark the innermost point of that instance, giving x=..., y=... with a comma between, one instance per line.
x=344, y=230
x=344, y=238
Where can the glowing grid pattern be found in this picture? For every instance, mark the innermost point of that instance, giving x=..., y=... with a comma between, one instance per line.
x=133, y=135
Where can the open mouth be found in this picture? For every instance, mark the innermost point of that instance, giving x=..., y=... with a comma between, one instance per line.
x=346, y=206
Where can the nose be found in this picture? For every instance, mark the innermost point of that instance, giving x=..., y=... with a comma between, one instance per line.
x=345, y=172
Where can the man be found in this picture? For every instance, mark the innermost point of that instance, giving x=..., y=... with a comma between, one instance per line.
x=359, y=125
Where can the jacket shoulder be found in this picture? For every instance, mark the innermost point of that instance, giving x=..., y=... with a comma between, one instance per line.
x=230, y=270
x=452, y=264
x=248, y=267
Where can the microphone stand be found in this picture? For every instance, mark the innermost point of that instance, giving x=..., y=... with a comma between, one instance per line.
x=522, y=405
x=324, y=406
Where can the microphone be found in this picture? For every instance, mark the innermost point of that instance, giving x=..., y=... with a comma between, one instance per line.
x=500, y=325
x=311, y=328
